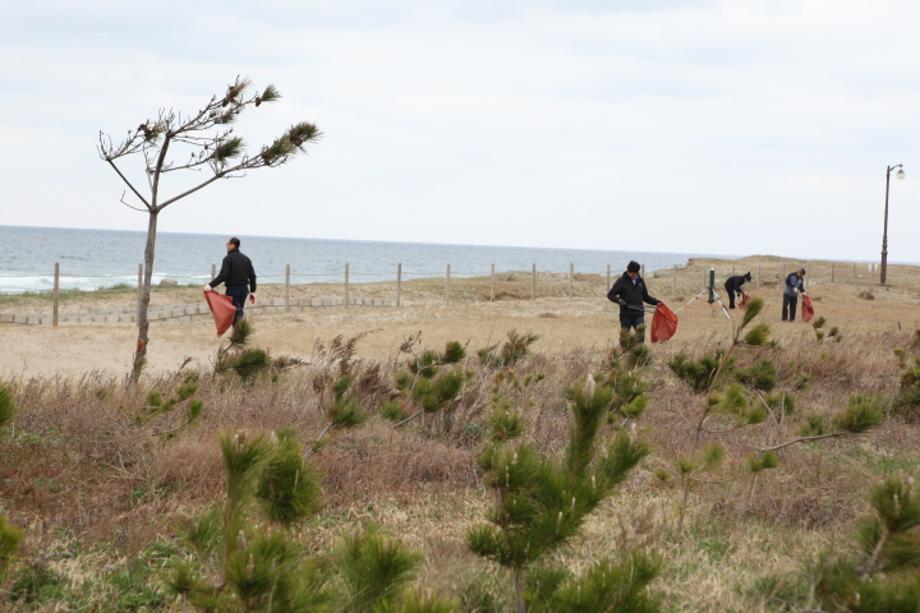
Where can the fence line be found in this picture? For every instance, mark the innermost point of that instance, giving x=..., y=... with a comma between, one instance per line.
x=566, y=284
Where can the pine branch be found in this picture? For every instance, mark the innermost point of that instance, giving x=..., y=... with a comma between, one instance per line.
x=804, y=439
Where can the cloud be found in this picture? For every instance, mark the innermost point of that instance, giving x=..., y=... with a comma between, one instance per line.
x=727, y=127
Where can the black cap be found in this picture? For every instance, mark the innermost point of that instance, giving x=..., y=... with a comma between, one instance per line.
x=235, y=242
x=633, y=266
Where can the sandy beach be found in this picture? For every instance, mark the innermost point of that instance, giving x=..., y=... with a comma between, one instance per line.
x=584, y=320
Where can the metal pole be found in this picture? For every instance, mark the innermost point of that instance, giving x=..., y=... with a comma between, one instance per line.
x=712, y=285
x=56, y=293
x=492, y=284
x=213, y=271
x=833, y=272
x=759, y=275
x=883, y=276
x=287, y=287
x=399, y=284
x=347, y=297
x=674, y=281
x=608, y=277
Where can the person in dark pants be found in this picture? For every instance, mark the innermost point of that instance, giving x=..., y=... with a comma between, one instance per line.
x=733, y=287
x=238, y=276
x=795, y=285
x=630, y=293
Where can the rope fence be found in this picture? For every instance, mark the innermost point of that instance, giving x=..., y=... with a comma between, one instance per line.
x=542, y=284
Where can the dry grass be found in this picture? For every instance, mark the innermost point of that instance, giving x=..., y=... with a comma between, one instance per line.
x=79, y=459
x=87, y=470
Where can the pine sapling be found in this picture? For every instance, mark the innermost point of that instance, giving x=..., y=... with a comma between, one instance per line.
x=540, y=501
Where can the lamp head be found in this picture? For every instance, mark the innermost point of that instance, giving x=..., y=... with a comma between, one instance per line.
x=900, y=174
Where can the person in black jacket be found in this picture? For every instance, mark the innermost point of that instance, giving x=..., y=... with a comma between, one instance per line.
x=795, y=285
x=733, y=287
x=630, y=293
x=238, y=277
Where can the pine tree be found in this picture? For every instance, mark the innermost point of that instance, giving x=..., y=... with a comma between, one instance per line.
x=202, y=141
x=541, y=501
x=886, y=574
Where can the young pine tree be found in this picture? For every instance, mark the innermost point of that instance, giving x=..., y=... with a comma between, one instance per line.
x=542, y=501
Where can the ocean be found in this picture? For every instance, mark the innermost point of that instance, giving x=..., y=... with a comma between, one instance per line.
x=93, y=259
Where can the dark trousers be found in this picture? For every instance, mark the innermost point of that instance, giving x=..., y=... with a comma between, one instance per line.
x=239, y=295
x=789, y=304
x=731, y=296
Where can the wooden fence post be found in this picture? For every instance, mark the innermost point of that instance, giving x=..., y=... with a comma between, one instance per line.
x=347, y=296
x=140, y=283
x=784, y=272
x=854, y=272
x=833, y=272
x=213, y=271
x=287, y=287
x=533, y=281
x=399, y=284
x=447, y=286
x=571, y=279
x=643, y=271
x=56, y=293
x=674, y=281
x=759, y=276
x=608, y=277
x=492, y=284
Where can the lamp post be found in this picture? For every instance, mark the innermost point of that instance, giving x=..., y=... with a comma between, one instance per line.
x=884, y=267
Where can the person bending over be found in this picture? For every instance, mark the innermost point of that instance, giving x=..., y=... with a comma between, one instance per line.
x=238, y=277
x=630, y=293
x=733, y=287
x=795, y=285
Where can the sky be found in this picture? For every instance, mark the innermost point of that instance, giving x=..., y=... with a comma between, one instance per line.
x=737, y=127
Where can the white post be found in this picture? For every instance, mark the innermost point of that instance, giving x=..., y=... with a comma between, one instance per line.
x=56, y=294
x=287, y=287
x=347, y=296
x=399, y=284
x=492, y=284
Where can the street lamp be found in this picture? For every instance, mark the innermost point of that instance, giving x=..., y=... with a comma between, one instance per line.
x=899, y=175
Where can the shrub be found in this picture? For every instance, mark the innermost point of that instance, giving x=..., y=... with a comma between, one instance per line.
x=7, y=406
x=907, y=403
x=698, y=374
x=374, y=569
x=542, y=502
x=760, y=375
x=513, y=350
x=10, y=536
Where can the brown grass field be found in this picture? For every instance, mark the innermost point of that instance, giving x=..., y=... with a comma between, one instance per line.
x=95, y=488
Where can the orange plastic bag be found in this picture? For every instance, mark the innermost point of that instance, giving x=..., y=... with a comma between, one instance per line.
x=664, y=324
x=222, y=309
x=808, y=309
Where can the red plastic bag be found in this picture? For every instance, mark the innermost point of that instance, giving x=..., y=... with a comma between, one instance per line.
x=745, y=298
x=808, y=309
x=664, y=324
x=222, y=309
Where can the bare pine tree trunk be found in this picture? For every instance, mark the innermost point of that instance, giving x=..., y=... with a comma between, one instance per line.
x=143, y=323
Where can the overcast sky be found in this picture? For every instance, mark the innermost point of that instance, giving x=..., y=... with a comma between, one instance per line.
x=690, y=126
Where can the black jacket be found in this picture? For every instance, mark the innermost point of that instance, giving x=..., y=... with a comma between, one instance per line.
x=794, y=284
x=236, y=271
x=734, y=283
x=630, y=296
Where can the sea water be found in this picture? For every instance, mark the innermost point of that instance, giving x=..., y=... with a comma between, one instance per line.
x=92, y=259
